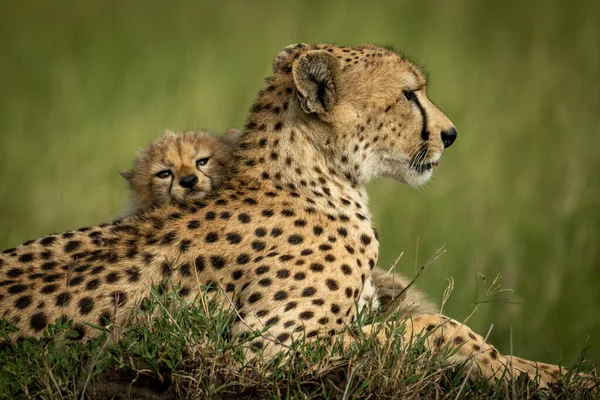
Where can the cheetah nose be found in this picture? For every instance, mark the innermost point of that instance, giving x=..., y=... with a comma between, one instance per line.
x=188, y=181
x=448, y=137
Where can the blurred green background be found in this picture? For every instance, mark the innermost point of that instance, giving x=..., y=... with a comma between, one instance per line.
x=83, y=85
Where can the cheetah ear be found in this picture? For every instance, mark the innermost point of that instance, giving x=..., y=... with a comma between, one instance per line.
x=232, y=137
x=126, y=174
x=316, y=76
x=284, y=59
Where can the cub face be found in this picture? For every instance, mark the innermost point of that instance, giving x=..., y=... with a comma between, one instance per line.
x=179, y=168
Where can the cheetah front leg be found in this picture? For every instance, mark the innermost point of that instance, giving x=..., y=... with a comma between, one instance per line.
x=482, y=359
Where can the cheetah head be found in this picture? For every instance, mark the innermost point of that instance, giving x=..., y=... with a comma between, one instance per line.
x=373, y=102
x=179, y=168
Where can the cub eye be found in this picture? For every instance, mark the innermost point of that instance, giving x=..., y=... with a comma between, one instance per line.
x=163, y=174
x=410, y=95
x=201, y=162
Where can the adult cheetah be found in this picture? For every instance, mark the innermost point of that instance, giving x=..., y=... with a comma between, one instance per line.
x=289, y=237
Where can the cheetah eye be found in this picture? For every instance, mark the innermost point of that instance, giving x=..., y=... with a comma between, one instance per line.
x=163, y=174
x=410, y=95
x=201, y=162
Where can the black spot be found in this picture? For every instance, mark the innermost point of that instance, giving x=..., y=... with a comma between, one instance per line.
x=254, y=297
x=210, y=215
x=283, y=273
x=199, y=264
x=14, y=272
x=350, y=249
x=185, y=269
x=93, y=284
x=244, y=218
x=23, y=302
x=112, y=277
x=193, y=224
x=280, y=295
x=27, y=257
x=365, y=239
x=268, y=213
x=306, y=315
x=335, y=308
x=287, y=213
x=262, y=270
x=212, y=237
x=260, y=232
x=76, y=281
x=262, y=313
x=329, y=258
x=275, y=232
x=237, y=274
x=16, y=289
x=221, y=202
x=258, y=245
x=49, y=289
x=309, y=291
x=184, y=245
x=243, y=259
x=168, y=238
x=225, y=215
x=86, y=305
x=265, y=282
x=299, y=276
x=82, y=268
x=342, y=232
x=290, y=305
x=63, y=299
x=316, y=267
x=295, y=239
x=47, y=241
x=233, y=238
x=38, y=321
x=346, y=270
x=331, y=284
x=217, y=262
x=324, y=247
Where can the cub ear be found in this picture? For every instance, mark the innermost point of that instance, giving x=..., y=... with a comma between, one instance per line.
x=169, y=134
x=126, y=174
x=316, y=76
x=232, y=137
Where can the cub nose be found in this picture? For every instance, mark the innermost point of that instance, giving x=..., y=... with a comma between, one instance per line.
x=188, y=181
x=448, y=137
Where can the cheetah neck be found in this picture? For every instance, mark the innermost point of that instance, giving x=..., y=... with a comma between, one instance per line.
x=283, y=149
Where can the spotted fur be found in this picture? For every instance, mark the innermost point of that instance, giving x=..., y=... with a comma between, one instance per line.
x=289, y=238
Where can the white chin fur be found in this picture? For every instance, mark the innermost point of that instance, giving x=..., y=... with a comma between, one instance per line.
x=415, y=179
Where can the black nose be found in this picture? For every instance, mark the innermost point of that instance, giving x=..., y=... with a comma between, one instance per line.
x=448, y=137
x=189, y=181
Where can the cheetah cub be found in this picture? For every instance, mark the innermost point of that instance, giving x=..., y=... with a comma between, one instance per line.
x=178, y=168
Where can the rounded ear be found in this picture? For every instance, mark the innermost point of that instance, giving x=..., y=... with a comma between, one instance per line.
x=284, y=59
x=169, y=134
x=316, y=76
x=126, y=174
x=231, y=137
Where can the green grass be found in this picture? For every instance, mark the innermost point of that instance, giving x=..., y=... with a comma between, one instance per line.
x=175, y=351
x=83, y=85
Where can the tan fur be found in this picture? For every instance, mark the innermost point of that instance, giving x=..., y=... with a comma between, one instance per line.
x=289, y=237
x=393, y=294
x=178, y=155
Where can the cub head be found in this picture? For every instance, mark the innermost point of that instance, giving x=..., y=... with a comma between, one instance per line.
x=374, y=104
x=178, y=168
